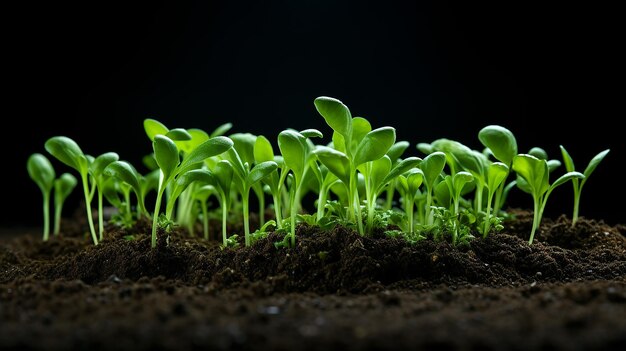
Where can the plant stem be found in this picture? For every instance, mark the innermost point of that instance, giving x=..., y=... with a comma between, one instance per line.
x=46, y=216
x=261, y=197
x=58, y=210
x=92, y=229
x=224, y=218
x=100, y=216
x=576, y=206
x=246, y=216
x=536, y=219
x=409, y=213
x=157, y=208
x=277, y=211
x=205, y=219
x=321, y=201
x=427, y=212
x=488, y=215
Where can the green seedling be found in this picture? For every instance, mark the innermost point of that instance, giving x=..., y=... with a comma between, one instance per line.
x=202, y=195
x=432, y=166
x=68, y=152
x=394, y=153
x=456, y=184
x=246, y=176
x=170, y=166
x=533, y=179
x=496, y=174
x=126, y=173
x=355, y=144
x=409, y=185
x=578, y=184
x=263, y=152
x=503, y=146
x=63, y=187
x=42, y=173
x=96, y=170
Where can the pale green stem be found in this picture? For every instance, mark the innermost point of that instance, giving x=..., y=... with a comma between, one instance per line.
x=224, y=218
x=576, y=205
x=92, y=229
x=205, y=219
x=246, y=216
x=58, y=210
x=157, y=208
x=46, y=216
x=100, y=216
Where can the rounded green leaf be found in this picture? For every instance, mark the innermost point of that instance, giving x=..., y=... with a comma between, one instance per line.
x=375, y=145
x=166, y=155
x=360, y=128
x=101, y=162
x=311, y=133
x=496, y=174
x=292, y=148
x=123, y=171
x=150, y=162
x=41, y=172
x=553, y=164
x=414, y=179
x=380, y=169
x=538, y=153
x=263, y=150
x=425, y=148
x=63, y=187
x=67, y=151
x=154, y=128
x=432, y=166
x=500, y=141
x=244, y=144
x=336, y=114
x=400, y=168
x=184, y=180
x=336, y=161
x=198, y=136
x=396, y=150
x=534, y=171
x=223, y=172
x=209, y=148
x=178, y=134
x=460, y=179
x=565, y=177
x=260, y=171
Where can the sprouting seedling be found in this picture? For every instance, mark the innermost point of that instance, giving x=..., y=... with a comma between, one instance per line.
x=96, y=170
x=432, y=166
x=502, y=144
x=63, y=187
x=223, y=173
x=263, y=152
x=42, y=173
x=475, y=163
x=294, y=150
x=456, y=183
x=496, y=174
x=127, y=174
x=170, y=166
x=355, y=143
x=578, y=185
x=202, y=195
x=246, y=177
x=408, y=185
x=534, y=174
x=68, y=152
x=394, y=153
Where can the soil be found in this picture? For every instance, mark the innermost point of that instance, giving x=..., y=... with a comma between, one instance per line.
x=334, y=290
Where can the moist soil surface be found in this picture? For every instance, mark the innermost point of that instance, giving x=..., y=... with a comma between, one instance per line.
x=334, y=290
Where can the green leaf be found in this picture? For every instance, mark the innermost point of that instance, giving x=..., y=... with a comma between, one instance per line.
x=223, y=172
x=63, y=187
x=500, y=141
x=432, y=166
x=595, y=161
x=260, y=171
x=360, y=128
x=150, y=182
x=567, y=159
x=123, y=171
x=396, y=150
x=442, y=192
x=538, y=153
x=553, y=164
x=154, y=128
x=496, y=174
x=67, y=151
x=311, y=133
x=195, y=175
x=336, y=114
x=336, y=161
x=209, y=148
x=414, y=180
x=96, y=168
x=198, y=136
x=150, y=162
x=380, y=169
x=221, y=130
x=460, y=179
x=166, y=155
x=292, y=148
x=400, y=168
x=244, y=144
x=375, y=145
x=425, y=148
x=178, y=134
x=41, y=172
x=534, y=171
x=565, y=177
x=263, y=150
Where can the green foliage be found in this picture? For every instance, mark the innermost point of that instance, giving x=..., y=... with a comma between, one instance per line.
x=42, y=173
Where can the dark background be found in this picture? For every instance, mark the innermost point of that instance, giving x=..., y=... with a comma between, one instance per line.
x=93, y=72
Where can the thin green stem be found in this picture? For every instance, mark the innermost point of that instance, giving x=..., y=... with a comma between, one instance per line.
x=92, y=229
x=409, y=213
x=277, y=210
x=58, y=210
x=536, y=219
x=100, y=216
x=488, y=215
x=157, y=208
x=246, y=215
x=205, y=219
x=261, y=197
x=576, y=206
x=46, y=216
x=224, y=219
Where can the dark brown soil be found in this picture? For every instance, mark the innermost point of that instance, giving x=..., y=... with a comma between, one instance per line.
x=334, y=290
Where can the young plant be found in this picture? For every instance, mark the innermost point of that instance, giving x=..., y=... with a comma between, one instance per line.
x=432, y=166
x=63, y=187
x=68, y=152
x=126, y=173
x=42, y=173
x=354, y=144
x=533, y=179
x=408, y=186
x=502, y=144
x=496, y=174
x=168, y=159
x=578, y=184
x=455, y=184
x=96, y=170
x=263, y=152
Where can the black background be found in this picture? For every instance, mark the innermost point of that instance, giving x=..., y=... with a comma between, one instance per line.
x=550, y=72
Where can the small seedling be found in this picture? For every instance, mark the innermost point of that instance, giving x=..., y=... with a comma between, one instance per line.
x=63, y=187
x=42, y=173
